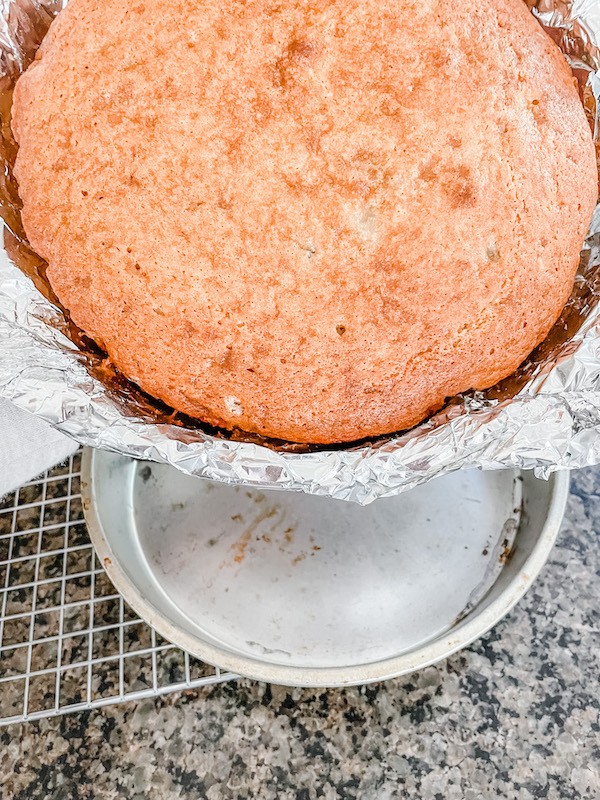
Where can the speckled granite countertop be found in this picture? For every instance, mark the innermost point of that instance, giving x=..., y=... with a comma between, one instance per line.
x=517, y=716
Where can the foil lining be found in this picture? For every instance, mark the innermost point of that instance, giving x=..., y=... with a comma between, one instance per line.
x=544, y=417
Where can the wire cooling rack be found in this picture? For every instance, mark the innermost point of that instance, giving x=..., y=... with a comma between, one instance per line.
x=68, y=641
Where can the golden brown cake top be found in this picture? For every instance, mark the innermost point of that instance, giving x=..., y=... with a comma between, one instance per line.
x=310, y=221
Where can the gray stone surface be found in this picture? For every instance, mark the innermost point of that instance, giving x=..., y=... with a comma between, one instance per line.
x=517, y=715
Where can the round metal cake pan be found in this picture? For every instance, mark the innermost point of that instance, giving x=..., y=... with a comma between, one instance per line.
x=307, y=591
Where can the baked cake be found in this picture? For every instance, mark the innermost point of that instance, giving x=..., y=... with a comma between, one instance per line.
x=313, y=222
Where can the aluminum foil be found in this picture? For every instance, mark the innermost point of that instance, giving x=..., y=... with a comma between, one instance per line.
x=544, y=417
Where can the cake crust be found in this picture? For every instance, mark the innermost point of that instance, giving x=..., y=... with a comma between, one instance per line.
x=310, y=222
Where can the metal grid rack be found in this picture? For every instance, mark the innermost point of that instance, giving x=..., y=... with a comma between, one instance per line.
x=68, y=641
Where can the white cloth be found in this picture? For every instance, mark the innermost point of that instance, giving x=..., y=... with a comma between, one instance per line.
x=28, y=446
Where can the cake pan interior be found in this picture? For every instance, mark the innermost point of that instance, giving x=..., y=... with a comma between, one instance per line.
x=308, y=591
